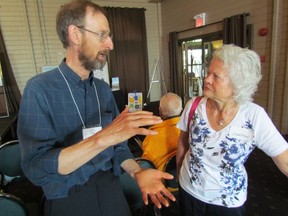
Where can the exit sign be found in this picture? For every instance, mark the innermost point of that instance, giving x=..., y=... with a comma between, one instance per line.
x=200, y=19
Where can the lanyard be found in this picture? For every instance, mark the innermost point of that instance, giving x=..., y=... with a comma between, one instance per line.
x=76, y=103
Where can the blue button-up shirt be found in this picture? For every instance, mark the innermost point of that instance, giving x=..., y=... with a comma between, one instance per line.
x=49, y=121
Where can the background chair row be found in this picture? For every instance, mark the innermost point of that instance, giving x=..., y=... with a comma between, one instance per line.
x=16, y=190
x=10, y=162
x=10, y=170
x=11, y=205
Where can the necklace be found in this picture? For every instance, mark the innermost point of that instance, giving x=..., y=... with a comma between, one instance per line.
x=221, y=121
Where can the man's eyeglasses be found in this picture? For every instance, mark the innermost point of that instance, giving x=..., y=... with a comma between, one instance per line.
x=103, y=36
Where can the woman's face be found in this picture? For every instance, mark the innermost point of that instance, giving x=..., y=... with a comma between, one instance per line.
x=217, y=84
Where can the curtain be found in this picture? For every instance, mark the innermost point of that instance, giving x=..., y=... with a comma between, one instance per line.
x=176, y=81
x=13, y=95
x=234, y=31
x=129, y=59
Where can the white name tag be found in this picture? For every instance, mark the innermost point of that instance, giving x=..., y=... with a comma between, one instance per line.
x=241, y=133
x=87, y=132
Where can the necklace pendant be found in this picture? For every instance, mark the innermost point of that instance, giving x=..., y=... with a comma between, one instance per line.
x=221, y=123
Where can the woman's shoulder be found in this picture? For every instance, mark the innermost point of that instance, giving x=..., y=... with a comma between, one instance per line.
x=253, y=109
x=251, y=106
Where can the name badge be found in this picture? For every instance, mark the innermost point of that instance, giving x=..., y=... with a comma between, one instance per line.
x=241, y=133
x=87, y=132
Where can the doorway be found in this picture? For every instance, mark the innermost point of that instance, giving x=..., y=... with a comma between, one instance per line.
x=196, y=55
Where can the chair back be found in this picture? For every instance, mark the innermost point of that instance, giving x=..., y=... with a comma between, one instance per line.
x=170, y=167
x=11, y=205
x=10, y=159
x=130, y=188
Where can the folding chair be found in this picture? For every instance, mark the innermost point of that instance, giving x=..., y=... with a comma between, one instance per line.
x=10, y=161
x=11, y=205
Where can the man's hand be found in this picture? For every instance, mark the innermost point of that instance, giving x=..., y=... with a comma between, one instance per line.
x=150, y=183
x=126, y=125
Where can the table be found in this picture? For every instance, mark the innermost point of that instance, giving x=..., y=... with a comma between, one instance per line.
x=7, y=124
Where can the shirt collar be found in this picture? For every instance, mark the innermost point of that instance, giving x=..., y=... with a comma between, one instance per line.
x=73, y=77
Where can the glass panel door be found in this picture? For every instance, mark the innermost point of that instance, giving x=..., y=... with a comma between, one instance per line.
x=196, y=55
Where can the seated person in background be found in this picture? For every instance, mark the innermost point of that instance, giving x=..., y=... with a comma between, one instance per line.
x=161, y=147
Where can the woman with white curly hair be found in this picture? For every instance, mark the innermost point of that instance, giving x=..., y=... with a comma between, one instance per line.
x=225, y=128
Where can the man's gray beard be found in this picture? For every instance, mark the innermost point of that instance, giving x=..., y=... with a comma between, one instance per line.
x=99, y=65
x=91, y=65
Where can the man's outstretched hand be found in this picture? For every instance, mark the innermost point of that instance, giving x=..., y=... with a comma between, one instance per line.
x=150, y=182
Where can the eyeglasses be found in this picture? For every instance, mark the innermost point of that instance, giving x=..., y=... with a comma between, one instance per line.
x=103, y=36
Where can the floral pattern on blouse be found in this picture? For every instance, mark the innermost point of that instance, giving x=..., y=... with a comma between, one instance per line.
x=229, y=153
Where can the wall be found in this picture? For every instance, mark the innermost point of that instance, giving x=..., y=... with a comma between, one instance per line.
x=178, y=16
x=28, y=28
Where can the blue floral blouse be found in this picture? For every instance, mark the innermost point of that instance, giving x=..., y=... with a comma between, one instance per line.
x=213, y=169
